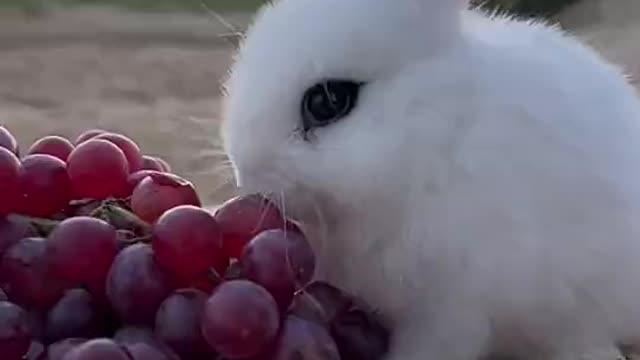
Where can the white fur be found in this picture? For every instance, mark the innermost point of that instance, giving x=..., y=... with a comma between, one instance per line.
x=485, y=192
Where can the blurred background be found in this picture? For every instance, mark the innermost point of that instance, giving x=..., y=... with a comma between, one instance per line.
x=151, y=69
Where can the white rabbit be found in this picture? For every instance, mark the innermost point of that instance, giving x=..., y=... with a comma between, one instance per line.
x=475, y=177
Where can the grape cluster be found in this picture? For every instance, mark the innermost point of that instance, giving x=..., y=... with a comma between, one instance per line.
x=107, y=255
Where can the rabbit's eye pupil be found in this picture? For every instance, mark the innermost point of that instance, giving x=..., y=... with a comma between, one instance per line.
x=328, y=102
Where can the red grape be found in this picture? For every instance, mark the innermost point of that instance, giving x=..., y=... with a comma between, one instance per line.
x=188, y=242
x=240, y=319
x=3, y=296
x=135, y=178
x=57, y=350
x=15, y=335
x=302, y=339
x=98, y=169
x=44, y=185
x=243, y=217
x=12, y=230
x=89, y=134
x=27, y=278
x=165, y=165
x=75, y=315
x=9, y=181
x=97, y=349
x=81, y=250
x=56, y=146
x=178, y=324
x=280, y=261
x=160, y=192
x=128, y=147
x=136, y=285
x=7, y=141
x=151, y=163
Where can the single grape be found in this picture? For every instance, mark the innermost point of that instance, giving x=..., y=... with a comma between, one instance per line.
x=3, y=296
x=87, y=135
x=98, y=169
x=165, y=165
x=13, y=229
x=8, y=142
x=74, y=315
x=45, y=187
x=304, y=340
x=320, y=302
x=160, y=192
x=240, y=320
x=97, y=349
x=136, y=285
x=135, y=178
x=56, y=146
x=81, y=250
x=27, y=278
x=243, y=217
x=359, y=335
x=178, y=324
x=281, y=261
x=128, y=147
x=9, y=181
x=57, y=350
x=187, y=241
x=151, y=163
x=15, y=335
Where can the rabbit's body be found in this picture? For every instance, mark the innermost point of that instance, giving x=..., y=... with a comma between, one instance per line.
x=485, y=191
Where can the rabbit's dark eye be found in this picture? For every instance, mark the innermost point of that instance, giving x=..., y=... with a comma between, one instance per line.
x=328, y=102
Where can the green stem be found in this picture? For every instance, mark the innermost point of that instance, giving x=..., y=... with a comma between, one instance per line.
x=121, y=218
x=42, y=226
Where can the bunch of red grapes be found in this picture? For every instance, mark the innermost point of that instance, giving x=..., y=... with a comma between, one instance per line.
x=107, y=255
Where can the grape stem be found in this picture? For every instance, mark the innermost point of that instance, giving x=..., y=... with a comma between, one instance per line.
x=42, y=226
x=108, y=211
x=121, y=218
x=128, y=237
x=215, y=277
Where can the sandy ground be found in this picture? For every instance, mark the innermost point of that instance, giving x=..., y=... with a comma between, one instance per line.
x=156, y=78
x=612, y=27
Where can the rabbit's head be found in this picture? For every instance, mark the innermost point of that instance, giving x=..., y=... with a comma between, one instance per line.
x=341, y=98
